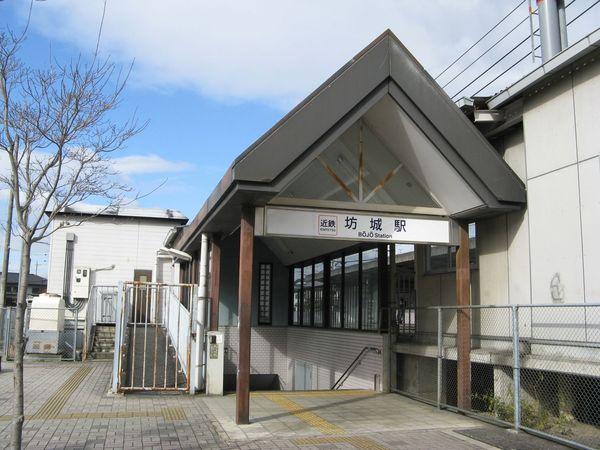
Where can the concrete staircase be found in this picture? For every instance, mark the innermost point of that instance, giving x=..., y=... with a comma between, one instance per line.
x=103, y=346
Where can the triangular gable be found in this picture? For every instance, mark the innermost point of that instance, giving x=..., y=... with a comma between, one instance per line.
x=385, y=66
x=383, y=75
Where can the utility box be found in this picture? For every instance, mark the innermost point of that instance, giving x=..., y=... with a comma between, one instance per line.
x=215, y=349
x=46, y=324
x=81, y=283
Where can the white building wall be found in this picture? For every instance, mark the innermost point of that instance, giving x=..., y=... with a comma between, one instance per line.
x=555, y=240
x=126, y=243
x=562, y=141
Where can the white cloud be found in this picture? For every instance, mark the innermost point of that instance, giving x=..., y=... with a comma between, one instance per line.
x=144, y=164
x=273, y=51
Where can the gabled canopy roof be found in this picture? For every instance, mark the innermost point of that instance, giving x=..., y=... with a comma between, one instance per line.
x=409, y=113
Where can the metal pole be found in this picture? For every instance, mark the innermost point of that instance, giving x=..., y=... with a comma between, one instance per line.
x=75, y=336
x=200, y=319
x=532, y=40
x=516, y=367
x=549, y=28
x=119, y=313
x=439, y=358
x=562, y=23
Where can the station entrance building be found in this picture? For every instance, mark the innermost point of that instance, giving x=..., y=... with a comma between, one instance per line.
x=319, y=234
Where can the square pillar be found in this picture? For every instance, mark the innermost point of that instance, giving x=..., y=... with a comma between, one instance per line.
x=215, y=282
x=463, y=337
x=242, y=389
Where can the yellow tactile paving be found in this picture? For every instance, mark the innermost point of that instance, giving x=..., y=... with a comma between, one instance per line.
x=167, y=413
x=364, y=443
x=341, y=393
x=308, y=417
x=173, y=414
x=54, y=405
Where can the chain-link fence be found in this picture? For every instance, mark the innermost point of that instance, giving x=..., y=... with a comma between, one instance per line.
x=50, y=333
x=534, y=367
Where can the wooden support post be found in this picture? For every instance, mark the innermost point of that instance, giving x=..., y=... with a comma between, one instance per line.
x=463, y=338
x=242, y=411
x=215, y=282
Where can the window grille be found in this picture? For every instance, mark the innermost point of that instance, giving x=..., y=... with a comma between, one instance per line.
x=265, y=293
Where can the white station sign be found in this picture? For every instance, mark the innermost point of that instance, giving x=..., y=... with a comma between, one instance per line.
x=352, y=225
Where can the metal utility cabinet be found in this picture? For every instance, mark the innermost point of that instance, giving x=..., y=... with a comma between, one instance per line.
x=214, y=362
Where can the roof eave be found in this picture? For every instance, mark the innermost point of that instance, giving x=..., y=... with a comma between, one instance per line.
x=561, y=61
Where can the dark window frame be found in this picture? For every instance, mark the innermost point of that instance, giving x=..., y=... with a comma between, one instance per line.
x=450, y=265
x=326, y=260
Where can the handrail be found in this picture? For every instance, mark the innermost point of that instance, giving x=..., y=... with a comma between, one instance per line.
x=353, y=365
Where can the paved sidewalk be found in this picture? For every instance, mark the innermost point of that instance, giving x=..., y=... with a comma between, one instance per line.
x=344, y=419
x=67, y=405
x=86, y=417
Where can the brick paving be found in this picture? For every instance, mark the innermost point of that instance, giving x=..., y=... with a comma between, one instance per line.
x=88, y=417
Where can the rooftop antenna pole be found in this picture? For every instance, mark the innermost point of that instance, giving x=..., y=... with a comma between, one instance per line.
x=562, y=21
x=550, y=29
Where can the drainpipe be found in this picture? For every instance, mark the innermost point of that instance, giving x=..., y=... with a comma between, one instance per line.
x=551, y=31
x=201, y=313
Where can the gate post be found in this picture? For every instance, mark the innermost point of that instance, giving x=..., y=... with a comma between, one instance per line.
x=516, y=367
x=463, y=335
x=119, y=319
x=440, y=355
x=242, y=410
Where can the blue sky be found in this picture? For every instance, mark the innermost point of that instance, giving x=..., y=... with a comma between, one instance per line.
x=211, y=77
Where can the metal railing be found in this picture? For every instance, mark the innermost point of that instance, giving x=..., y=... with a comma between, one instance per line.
x=535, y=367
x=153, y=337
x=353, y=365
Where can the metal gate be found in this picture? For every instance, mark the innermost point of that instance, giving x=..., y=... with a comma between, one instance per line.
x=153, y=337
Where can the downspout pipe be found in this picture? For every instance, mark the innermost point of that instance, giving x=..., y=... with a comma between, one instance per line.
x=201, y=315
x=550, y=28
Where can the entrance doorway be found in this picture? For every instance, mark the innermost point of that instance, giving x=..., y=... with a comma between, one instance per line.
x=142, y=302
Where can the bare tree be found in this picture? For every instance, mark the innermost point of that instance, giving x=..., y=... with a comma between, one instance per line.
x=58, y=133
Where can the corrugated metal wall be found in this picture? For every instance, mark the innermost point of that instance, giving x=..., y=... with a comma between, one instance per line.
x=276, y=350
x=330, y=352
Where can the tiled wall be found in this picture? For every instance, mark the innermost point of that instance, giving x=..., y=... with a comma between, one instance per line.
x=267, y=354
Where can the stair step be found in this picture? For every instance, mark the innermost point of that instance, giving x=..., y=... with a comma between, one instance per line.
x=103, y=350
x=102, y=355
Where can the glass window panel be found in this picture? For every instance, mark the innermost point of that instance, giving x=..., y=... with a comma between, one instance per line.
x=335, y=293
x=437, y=258
x=473, y=245
x=443, y=259
x=318, y=294
x=370, y=290
x=297, y=295
x=351, y=291
x=307, y=277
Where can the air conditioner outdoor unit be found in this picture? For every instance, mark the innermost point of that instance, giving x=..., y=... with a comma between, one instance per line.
x=81, y=283
x=46, y=324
